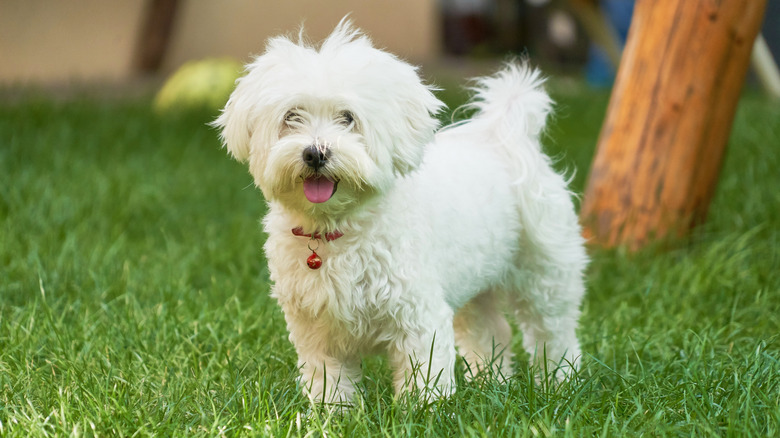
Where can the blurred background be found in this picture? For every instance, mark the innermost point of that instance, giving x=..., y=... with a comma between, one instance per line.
x=53, y=43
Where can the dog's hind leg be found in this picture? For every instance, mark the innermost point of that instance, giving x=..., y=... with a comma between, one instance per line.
x=484, y=337
x=546, y=304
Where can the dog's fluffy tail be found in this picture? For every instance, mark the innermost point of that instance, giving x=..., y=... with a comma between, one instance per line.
x=512, y=109
x=513, y=101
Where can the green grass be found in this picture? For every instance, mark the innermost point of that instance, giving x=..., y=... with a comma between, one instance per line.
x=134, y=296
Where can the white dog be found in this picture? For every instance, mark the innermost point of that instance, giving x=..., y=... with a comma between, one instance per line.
x=384, y=235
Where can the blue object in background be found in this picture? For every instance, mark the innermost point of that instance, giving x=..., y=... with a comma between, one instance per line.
x=599, y=71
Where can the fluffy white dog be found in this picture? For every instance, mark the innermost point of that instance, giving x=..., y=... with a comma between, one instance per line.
x=385, y=235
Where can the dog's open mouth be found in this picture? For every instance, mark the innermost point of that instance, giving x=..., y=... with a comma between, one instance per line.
x=318, y=188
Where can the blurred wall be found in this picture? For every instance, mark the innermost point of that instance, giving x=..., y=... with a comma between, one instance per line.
x=52, y=41
x=239, y=28
x=55, y=41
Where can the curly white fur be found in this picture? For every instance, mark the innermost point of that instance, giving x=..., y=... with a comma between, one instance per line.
x=440, y=233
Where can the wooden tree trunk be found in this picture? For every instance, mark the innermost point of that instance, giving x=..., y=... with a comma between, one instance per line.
x=155, y=35
x=669, y=118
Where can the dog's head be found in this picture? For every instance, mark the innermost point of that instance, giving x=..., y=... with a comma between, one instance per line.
x=325, y=128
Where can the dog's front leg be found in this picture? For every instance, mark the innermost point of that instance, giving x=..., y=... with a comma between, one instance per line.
x=327, y=379
x=327, y=374
x=424, y=356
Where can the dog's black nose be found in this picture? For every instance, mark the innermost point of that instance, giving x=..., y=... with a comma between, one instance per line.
x=314, y=157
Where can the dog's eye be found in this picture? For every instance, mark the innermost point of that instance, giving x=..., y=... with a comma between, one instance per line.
x=292, y=116
x=346, y=118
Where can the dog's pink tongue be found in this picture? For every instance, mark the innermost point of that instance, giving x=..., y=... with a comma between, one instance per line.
x=318, y=189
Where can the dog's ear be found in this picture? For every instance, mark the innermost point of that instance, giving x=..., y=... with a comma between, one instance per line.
x=417, y=127
x=242, y=112
x=403, y=116
x=234, y=124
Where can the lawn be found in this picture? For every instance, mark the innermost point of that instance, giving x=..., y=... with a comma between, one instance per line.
x=134, y=296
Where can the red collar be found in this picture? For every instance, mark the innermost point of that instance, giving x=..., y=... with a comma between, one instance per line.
x=298, y=231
